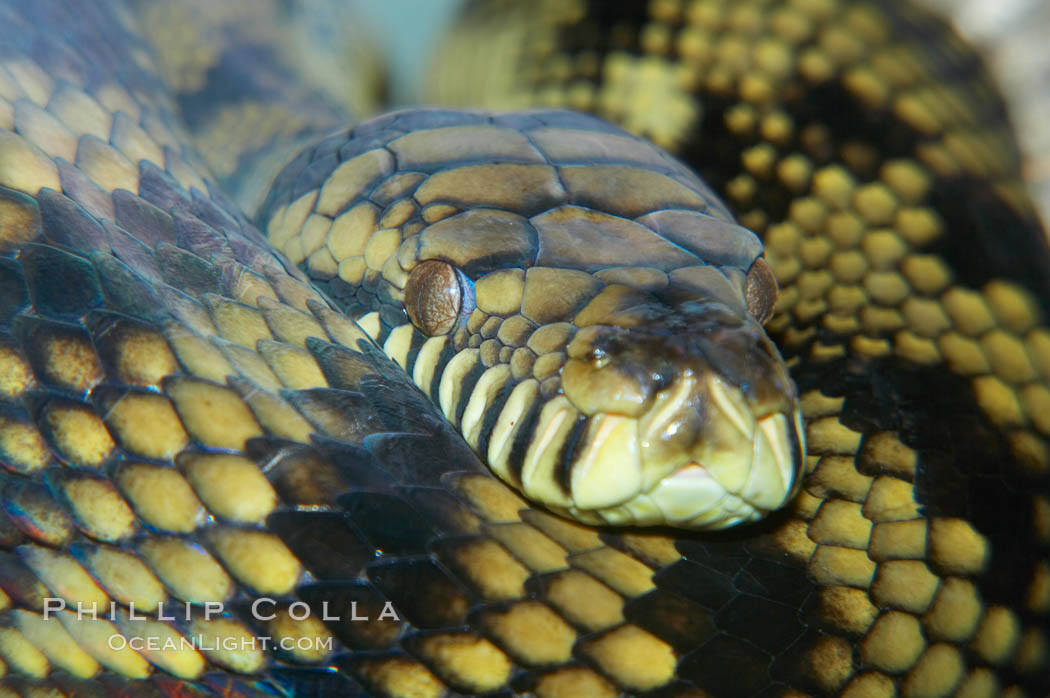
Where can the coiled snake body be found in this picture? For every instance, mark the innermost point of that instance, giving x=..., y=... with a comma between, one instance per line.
x=217, y=437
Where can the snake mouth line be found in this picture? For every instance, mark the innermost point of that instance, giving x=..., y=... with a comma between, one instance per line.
x=700, y=457
x=676, y=466
x=694, y=496
x=661, y=424
x=643, y=430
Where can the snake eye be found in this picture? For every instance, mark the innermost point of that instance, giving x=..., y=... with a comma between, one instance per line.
x=761, y=290
x=437, y=296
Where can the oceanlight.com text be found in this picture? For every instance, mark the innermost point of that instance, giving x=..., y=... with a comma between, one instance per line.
x=117, y=642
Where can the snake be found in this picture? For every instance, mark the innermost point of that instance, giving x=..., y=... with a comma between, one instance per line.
x=681, y=348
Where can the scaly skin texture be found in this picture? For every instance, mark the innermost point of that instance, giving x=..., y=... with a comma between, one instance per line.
x=185, y=419
x=597, y=349
x=864, y=144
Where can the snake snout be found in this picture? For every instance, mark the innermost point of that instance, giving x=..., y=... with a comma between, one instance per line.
x=715, y=418
x=740, y=465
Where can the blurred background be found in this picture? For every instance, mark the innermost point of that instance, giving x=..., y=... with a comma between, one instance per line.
x=409, y=31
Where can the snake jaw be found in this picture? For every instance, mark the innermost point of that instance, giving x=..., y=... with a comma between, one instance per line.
x=693, y=424
x=736, y=468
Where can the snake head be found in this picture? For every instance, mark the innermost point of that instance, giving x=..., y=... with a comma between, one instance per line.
x=715, y=435
x=578, y=304
x=672, y=406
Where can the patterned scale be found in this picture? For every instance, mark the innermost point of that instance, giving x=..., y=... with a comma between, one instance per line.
x=865, y=144
x=185, y=419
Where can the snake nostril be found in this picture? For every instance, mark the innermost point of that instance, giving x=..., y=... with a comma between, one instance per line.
x=598, y=357
x=660, y=380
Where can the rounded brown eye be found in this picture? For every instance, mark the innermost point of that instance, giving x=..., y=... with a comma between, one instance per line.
x=761, y=290
x=435, y=295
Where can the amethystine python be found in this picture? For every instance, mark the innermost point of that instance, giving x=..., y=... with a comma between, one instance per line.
x=190, y=417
